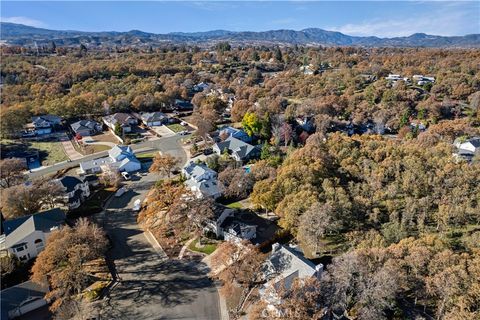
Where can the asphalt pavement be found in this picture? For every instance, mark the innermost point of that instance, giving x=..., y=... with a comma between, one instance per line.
x=151, y=286
x=171, y=145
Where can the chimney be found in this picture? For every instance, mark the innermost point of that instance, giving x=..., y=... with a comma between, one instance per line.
x=318, y=270
x=275, y=247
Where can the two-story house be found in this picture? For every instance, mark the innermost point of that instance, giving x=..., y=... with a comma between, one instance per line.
x=75, y=191
x=153, y=119
x=26, y=237
x=120, y=158
x=201, y=180
x=44, y=124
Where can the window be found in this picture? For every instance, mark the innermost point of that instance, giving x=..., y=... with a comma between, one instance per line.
x=38, y=241
x=19, y=249
x=23, y=258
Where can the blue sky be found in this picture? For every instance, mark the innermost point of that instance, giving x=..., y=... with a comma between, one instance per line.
x=379, y=18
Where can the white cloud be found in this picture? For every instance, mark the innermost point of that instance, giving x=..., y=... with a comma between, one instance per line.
x=24, y=20
x=446, y=22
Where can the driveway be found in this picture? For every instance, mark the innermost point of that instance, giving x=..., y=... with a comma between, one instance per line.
x=171, y=145
x=150, y=286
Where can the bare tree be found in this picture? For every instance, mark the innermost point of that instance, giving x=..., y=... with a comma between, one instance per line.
x=110, y=177
x=11, y=172
x=164, y=164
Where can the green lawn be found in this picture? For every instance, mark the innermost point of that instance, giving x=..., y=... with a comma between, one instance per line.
x=50, y=152
x=145, y=155
x=207, y=248
x=235, y=205
x=176, y=127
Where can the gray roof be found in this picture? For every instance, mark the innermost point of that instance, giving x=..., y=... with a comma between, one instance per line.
x=70, y=182
x=194, y=170
x=153, y=116
x=120, y=117
x=14, y=297
x=84, y=125
x=208, y=188
x=43, y=221
x=47, y=117
x=234, y=145
x=117, y=151
x=96, y=163
x=286, y=264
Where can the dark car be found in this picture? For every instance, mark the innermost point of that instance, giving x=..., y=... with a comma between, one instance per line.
x=207, y=151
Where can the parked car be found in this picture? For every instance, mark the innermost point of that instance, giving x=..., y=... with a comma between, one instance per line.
x=137, y=205
x=207, y=151
x=125, y=175
x=183, y=123
x=184, y=132
x=121, y=191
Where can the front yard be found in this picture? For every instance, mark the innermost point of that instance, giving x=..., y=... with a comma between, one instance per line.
x=207, y=247
x=49, y=152
x=176, y=127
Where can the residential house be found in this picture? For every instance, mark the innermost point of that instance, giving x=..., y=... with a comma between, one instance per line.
x=44, y=124
x=238, y=149
x=285, y=264
x=86, y=127
x=23, y=298
x=201, y=180
x=421, y=80
x=307, y=70
x=152, y=119
x=234, y=230
x=214, y=224
x=182, y=105
x=25, y=237
x=236, y=133
x=91, y=180
x=75, y=191
x=125, y=120
x=467, y=148
x=120, y=158
x=202, y=86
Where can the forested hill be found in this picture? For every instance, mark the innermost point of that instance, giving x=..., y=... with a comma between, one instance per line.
x=17, y=34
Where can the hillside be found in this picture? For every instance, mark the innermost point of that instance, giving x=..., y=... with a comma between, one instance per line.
x=17, y=34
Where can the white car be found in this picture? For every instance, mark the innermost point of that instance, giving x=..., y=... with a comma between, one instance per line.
x=126, y=176
x=137, y=205
x=183, y=123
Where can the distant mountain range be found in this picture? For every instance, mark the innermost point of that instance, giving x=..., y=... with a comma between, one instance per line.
x=17, y=34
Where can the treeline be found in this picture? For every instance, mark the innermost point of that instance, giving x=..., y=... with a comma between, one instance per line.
x=347, y=87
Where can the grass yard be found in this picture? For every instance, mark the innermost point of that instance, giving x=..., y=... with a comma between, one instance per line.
x=235, y=205
x=207, y=248
x=176, y=127
x=50, y=152
x=147, y=155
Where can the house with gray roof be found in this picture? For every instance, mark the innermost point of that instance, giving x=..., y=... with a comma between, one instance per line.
x=75, y=191
x=282, y=268
x=153, y=119
x=86, y=127
x=44, y=124
x=237, y=149
x=125, y=120
x=120, y=158
x=25, y=237
x=201, y=180
x=23, y=298
x=467, y=148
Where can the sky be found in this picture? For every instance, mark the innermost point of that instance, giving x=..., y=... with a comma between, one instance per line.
x=360, y=18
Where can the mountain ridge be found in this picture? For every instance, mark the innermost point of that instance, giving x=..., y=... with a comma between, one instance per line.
x=17, y=34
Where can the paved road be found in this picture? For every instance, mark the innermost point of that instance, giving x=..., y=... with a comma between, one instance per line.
x=151, y=286
x=171, y=145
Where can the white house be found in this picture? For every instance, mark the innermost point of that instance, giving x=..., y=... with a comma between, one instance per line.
x=234, y=230
x=23, y=298
x=25, y=237
x=75, y=191
x=120, y=158
x=215, y=224
x=201, y=180
x=282, y=268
